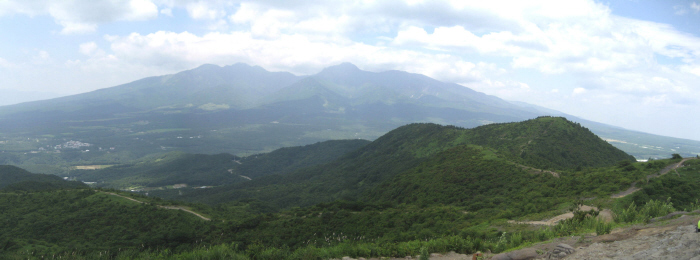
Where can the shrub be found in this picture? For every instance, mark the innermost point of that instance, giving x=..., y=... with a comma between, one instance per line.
x=424, y=253
x=603, y=228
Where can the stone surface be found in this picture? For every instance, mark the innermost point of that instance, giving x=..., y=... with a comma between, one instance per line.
x=503, y=256
x=522, y=254
x=679, y=243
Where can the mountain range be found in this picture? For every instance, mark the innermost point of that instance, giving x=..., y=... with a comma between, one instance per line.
x=243, y=110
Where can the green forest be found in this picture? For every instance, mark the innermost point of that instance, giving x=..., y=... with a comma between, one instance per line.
x=420, y=188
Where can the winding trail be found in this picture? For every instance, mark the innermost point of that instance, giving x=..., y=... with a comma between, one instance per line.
x=163, y=207
x=537, y=171
x=663, y=171
x=669, y=168
x=605, y=214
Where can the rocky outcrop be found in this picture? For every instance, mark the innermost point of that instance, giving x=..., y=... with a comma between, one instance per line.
x=561, y=251
x=679, y=243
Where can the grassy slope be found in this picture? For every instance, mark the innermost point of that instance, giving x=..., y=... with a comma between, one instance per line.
x=555, y=143
x=453, y=195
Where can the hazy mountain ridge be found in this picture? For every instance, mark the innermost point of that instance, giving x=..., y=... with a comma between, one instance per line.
x=241, y=109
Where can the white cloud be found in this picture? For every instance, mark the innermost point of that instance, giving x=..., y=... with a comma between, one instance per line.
x=202, y=10
x=695, y=6
x=83, y=16
x=579, y=91
x=91, y=49
x=167, y=11
x=41, y=57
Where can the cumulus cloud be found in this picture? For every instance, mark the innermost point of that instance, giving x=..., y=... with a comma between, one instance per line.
x=167, y=11
x=202, y=10
x=88, y=48
x=78, y=16
x=295, y=53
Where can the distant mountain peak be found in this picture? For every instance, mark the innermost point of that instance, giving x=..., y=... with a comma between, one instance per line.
x=207, y=67
x=345, y=68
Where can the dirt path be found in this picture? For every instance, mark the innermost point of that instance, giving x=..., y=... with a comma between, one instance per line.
x=605, y=214
x=669, y=168
x=537, y=171
x=163, y=207
x=629, y=191
x=663, y=171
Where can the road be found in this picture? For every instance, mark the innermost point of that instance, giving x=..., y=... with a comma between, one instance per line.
x=164, y=207
x=663, y=171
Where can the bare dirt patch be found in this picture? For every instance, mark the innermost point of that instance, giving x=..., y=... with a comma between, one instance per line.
x=538, y=171
x=90, y=167
x=163, y=207
x=605, y=214
x=675, y=239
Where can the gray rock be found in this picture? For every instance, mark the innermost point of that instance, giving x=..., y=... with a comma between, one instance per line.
x=563, y=248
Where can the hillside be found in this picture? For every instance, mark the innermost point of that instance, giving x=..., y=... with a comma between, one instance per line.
x=14, y=178
x=549, y=143
x=420, y=187
x=402, y=150
x=84, y=221
x=213, y=170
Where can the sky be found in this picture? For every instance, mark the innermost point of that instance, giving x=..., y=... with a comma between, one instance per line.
x=633, y=64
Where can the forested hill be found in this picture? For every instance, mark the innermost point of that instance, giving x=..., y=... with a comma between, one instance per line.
x=14, y=178
x=546, y=142
x=213, y=170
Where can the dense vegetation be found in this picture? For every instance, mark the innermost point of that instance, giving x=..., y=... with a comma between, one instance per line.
x=14, y=178
x=549, y=143
x=421, y=188
x=477, y=179
x=682, y=186
x=206, y=170
x=404, y=148
x=83, y=220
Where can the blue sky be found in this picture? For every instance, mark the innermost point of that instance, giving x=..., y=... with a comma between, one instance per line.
x=634, y=64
